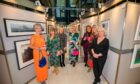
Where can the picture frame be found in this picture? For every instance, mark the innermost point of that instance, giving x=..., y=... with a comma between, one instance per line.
x=105, y=24
x=24, y=53
x=135, y=61
x=137, y=34
x=16, y=27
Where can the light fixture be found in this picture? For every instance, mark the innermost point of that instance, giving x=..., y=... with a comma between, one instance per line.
x=37, y=3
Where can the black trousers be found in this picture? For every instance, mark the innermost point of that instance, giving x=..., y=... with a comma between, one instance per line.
x=62, y=59
x=98, y=67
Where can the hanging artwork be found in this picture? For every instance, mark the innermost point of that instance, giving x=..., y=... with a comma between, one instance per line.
x=137, y=34
x=105, y=24
x=21, y=27
x=24, y=53
x=135, y=62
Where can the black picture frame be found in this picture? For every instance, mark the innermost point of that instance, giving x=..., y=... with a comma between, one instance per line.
x=16, y=27
x=24, y=53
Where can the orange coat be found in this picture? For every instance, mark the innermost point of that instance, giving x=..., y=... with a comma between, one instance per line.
x=41, y=73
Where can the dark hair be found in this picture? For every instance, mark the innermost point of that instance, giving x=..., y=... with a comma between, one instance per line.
x=89, y=27
x=38, y=24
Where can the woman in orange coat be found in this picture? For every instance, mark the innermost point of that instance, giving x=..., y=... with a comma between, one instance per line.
x=37, y=42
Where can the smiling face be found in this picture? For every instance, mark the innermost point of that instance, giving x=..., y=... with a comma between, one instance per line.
x=73, y=29
x=101, y=32
x=38, y=29
x=88, y=29
x=61, y=30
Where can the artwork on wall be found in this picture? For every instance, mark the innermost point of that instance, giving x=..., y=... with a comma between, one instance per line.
x=105, y=24
x=21, y=27
x=137, y=34
x=135, y=62
x=24, y=53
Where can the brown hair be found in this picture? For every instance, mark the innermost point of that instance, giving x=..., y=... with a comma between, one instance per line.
x=89, y=27
x=52, y=29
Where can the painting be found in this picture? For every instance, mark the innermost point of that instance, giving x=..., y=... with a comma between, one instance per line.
x=21, y=27
x=137, y=34
x=24, y=53
x=135, y=62
x=105, y=24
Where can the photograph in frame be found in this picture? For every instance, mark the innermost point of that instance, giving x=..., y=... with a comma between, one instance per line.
x=137, y=34
x=24, y=53
x=21, y=27
x=105, y=24
x=135, y=61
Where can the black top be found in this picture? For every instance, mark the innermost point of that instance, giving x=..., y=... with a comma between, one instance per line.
x=102, y=47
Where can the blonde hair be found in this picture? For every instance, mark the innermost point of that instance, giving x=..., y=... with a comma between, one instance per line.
x=37, y=24
x=102, y=29
x=60, y=29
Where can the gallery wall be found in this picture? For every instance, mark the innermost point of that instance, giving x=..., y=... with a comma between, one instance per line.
x=27, y=73
x=126, y=74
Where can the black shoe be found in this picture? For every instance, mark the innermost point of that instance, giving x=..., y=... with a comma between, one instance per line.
x=86, y=65
x=73, y=64
x=95, y=82
x=63, y=64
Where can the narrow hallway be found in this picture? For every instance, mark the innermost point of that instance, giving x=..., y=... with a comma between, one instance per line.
x=69, y=74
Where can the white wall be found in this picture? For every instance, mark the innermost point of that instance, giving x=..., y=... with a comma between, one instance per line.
x=4, y=74
x=116, y=22
x=127, y=75
x=132, y=17
x=110, y=67
x=27, y=73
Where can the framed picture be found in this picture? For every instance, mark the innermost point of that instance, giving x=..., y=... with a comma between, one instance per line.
x=105, y=24
x=24, y=53
x=135, y=62
x=137, y=34
x=49, y=27
x=21, y=27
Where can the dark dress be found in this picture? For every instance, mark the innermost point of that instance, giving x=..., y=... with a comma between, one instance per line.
x=102, y=48
x=86, y=45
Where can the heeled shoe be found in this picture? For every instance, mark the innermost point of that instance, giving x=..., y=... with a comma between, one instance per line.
x=63, y=64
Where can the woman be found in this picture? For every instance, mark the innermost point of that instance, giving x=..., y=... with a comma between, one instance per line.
x=100, y=47
x=63, y=44
x=86, y=42
x=73, y=46
x=53, y=48
x=37, y=42
x=94, y=31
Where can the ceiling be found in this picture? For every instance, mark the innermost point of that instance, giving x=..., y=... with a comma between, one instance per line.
x=67, y=11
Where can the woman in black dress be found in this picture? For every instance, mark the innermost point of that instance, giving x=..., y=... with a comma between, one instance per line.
x=100, y=47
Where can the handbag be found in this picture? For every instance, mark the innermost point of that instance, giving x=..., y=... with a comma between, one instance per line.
x=90, y=63
x=75, y=52
x=42, y=61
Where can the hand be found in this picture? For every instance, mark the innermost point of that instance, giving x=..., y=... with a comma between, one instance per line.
x=58, y=53
x=77, y=43
x=100, y=55
x=43, y=48
x=96, y=56
x=85, y=38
